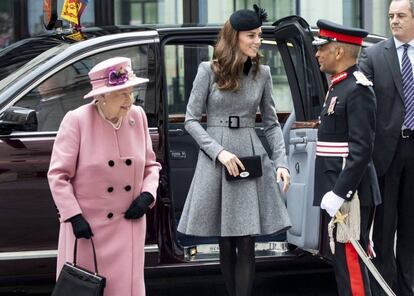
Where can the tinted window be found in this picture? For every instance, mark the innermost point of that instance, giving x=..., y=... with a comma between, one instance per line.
x=17, y=61
x=64, y=90
x=281, y=90
x=181, y=64
x=303, y=63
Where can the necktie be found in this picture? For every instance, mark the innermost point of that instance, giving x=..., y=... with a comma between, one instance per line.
x=408, y=88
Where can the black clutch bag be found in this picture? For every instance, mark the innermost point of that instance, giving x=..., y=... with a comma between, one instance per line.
x=253, y=169
x=75, y=280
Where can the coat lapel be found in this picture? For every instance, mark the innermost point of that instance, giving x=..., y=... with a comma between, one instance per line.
x=390, y=53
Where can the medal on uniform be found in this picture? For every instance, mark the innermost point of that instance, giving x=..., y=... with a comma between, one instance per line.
x=332, y=104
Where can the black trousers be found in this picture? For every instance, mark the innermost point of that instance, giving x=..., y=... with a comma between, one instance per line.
x=351, y=273
x=396, y=215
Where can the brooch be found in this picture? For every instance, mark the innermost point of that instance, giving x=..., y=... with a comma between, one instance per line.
x=117, y=77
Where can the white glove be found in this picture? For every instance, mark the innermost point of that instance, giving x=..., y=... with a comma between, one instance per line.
x=331, y=203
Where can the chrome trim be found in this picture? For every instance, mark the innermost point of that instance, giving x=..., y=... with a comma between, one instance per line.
x=262, y=249
x=26, y=136
x=151, y=248
x=4, y=256
x=28, y=255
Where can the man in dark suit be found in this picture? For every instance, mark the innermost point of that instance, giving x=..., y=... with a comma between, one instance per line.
x=389, y=65
x=343, y=164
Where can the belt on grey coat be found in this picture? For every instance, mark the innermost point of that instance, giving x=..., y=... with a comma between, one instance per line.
x=231, y=122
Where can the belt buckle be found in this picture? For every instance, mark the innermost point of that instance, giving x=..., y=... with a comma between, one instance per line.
x=231, y=125
x=402, y=134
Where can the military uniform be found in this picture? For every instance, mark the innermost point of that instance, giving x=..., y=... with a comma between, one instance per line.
x=347, y=128
x=344, y=160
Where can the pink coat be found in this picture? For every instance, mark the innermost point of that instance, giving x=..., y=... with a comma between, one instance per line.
x=98, y=171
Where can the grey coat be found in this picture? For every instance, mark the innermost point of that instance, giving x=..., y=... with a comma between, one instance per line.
x=214, y=206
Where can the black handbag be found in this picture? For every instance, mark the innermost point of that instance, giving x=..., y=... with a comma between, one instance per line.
x=74, y=280
x=253, y=169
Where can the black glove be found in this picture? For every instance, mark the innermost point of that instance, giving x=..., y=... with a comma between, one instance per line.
x=139, y=206
x=81, y=228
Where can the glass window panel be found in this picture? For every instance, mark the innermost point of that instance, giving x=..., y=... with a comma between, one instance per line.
x=180, y=70
x=151, y=13
x=352, y=13
x=35, y=15
x=311, y=11
x=380, y=23
x=275, y=8
x=137, y=12
x=347, y=12
x=281, y=90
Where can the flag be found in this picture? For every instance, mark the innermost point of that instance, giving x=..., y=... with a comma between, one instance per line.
x=82, y=6
x=70, y=11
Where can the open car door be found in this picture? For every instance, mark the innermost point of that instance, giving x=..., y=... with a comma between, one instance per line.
x=308, y=86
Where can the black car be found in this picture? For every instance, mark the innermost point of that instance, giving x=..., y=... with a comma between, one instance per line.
x=44, y=77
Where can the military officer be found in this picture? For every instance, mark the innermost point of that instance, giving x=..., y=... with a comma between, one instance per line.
x=344, y=148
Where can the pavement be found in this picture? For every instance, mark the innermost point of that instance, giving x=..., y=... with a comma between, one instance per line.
x=277, y=283
x=317, y=284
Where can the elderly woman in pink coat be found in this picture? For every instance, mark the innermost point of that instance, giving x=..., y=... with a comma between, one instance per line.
x=103, y=176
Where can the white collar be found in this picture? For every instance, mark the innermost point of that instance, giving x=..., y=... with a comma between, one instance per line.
x=398, y=43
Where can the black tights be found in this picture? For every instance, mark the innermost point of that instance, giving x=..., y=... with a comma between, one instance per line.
x=237, y=264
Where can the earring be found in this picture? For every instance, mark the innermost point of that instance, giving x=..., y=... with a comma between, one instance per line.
x=104, y=103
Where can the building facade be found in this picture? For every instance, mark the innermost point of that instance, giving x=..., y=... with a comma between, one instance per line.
x=23, y=18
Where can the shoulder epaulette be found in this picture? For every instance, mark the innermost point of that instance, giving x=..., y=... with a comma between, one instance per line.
x=362, y=79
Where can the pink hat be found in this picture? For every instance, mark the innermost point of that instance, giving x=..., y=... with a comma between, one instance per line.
x=111, y=75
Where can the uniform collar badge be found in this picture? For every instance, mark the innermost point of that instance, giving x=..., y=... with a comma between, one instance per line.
x=338, y=78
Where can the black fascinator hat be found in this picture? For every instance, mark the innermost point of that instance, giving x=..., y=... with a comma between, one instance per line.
x=246, y=19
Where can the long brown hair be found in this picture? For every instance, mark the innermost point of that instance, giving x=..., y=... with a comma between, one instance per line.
x=228, y=60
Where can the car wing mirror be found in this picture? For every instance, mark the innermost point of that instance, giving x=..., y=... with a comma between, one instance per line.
x=18, y=119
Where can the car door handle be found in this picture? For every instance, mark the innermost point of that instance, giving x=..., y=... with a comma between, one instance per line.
x=298, y=140
x=176, y=132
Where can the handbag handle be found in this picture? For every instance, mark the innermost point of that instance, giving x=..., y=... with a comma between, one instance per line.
x=75, y=251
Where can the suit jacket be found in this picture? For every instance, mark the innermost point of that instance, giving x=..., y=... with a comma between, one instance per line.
x=380, y=64
x=352, y=121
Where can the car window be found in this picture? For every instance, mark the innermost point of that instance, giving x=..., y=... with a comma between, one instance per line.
x=304, y=70
x=181, y=63
x=281, y=90
x=64, y=90
x=10, y=70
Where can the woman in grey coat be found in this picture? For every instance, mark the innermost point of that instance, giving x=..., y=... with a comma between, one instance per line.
x=231, y=88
